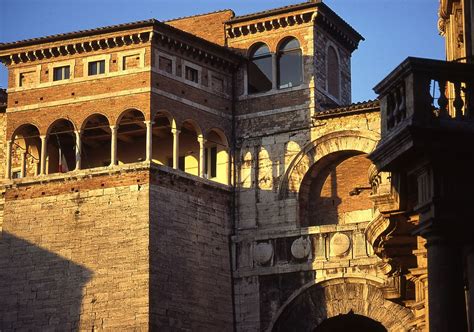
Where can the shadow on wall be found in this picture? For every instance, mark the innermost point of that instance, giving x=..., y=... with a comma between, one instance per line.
x=38, y=289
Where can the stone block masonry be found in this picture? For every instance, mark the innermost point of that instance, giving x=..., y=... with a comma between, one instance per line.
x=107, y=250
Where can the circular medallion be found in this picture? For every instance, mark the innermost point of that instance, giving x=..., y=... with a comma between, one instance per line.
x=262, y=253
x=300, y=248
x=340, y=244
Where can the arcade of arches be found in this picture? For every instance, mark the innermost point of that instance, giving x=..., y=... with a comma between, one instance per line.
x=66, y=147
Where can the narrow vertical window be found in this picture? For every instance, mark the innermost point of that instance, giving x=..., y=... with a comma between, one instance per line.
x=333, y=73
x=260, y=69
x=290, y=71
x=191, y=74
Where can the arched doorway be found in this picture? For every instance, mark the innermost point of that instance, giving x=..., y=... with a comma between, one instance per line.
x=350, y=322
x=319, y=307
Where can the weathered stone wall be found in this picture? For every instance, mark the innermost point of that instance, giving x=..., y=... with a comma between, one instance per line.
x=74, y=254
x=190, y=273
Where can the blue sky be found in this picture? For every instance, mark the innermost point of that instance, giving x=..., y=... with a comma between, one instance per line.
x=393, y=29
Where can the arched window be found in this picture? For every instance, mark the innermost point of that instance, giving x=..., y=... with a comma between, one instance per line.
x=260, y=69
x=333, y=72
x=290, y=71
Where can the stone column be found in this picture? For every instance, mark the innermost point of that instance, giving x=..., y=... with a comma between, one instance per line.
x=113, y=146
x=175, y=133
x=43, y=155
x=446, y=298
x=149, y=139
x=229, y=176
x=8, y=171
x=274, y=71
x=202, y=161
x=78, y=149
x=23, y=164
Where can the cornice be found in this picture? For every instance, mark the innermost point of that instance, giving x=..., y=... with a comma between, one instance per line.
x=74, y=46
x=267, y=24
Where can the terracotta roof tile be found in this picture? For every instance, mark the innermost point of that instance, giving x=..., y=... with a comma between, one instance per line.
x=197, y=15
x=369, y=105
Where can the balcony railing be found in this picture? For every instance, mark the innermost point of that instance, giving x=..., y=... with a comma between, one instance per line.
x=427, y=93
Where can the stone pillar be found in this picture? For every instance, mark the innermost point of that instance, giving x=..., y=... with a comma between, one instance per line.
x=8, y=171
x=78, y=149
x=43, y=155
x=175, y=133
x=149, y=139
x=446, y=297
x=202, y=160
x=274, y=71
x=113, y=146
x=23, y=164
x=229, y=168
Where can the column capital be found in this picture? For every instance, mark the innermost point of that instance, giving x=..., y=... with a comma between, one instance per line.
x=201, y=139
x=149, y=122
x=175, y=131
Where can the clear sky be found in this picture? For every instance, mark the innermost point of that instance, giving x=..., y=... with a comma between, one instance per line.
x=392, y=29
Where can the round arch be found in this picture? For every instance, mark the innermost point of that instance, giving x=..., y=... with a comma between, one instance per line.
x=195, y=126
x=94, y=115
x=311, y=305
x=286, y=39
x=346, y=140
x=57, y=121
x=24, y=126
x=166, y=114
x=126, y=112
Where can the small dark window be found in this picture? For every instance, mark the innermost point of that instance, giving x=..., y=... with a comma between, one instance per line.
x=210, y=166
x=165, y=64
x=61, y=73
x=191, y=74
x=289, y=64
x=16, y=174
x=333, y=72
x=260, y=70
x=96, y=67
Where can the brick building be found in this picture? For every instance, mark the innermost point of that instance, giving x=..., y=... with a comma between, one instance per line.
x=207, y=173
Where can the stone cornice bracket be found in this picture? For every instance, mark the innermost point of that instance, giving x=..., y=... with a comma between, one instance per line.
x=72, y=47
x=235, y=31
x=193, y=51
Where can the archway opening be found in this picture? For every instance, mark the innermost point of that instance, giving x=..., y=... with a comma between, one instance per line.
x=336, y=190
x=216, y=157
x=61, y=147
x=162, y=140
x=96, y=136
x=350, y=323
x=25, y=153
x=131, y=137
x=189, y=148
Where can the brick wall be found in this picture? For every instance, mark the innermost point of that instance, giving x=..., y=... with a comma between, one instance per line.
x=208, y=26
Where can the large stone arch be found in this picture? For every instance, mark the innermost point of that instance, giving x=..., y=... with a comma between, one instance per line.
x=315, y=302
x=346, y=140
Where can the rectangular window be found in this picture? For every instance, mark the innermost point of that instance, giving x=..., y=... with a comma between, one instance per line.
x=191, y=74
x=16, y=174
x=61, y=73
x=131, y=61
x=217, y=84
x=165, y=64
x=27, y=78
x=96, y=67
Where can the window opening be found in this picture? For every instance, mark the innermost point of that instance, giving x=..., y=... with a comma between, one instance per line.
x=96, y=67
x=260, y=70
x=289, y=64
x=61, y=73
